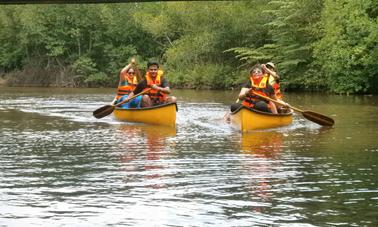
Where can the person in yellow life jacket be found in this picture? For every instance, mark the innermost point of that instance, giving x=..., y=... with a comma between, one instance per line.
x=128, y=79
x=155, y=80
x=258, y=83
x=274, y=80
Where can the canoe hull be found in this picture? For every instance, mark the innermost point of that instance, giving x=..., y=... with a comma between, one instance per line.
x=157, y=115
x=246, y=119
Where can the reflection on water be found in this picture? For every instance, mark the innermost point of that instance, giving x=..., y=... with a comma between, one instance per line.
x=155, y=140
x=61, y=166
x=262, y=143
x=264, y=149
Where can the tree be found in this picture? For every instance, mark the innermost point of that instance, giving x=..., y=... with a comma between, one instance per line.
x=290, y=32
x=348, y=50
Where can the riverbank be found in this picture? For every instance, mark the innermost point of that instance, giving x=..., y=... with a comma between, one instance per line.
x=43, y=77
x=59, y=77
x=3, y=82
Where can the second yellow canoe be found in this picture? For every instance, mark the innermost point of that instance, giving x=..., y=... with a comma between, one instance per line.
x=247, y=119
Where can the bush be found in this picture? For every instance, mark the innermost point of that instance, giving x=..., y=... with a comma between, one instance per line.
x=209, y=76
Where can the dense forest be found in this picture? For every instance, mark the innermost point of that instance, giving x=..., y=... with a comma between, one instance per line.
x=317, y=45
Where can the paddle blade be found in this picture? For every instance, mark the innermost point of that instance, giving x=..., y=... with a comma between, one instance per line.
x=318, y=118
x=103, y=111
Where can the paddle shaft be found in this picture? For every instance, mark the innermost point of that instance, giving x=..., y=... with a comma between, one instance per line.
x=309, y=115
x=108, y=109
x=277, y=102
x=132, y=97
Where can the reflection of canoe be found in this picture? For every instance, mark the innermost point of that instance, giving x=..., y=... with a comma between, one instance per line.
x=262, y=143
x=150, y=131
x=158, y=115
x=247, y=119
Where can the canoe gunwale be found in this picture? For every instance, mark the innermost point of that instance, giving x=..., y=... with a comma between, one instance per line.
x=263, y=113
x=148, y=108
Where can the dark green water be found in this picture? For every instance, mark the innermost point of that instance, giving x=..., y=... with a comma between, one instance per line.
x=59, y=166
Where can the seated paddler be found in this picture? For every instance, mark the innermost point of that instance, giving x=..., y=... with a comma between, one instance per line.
x=258, y=83
x=128, y=79
x=157, y=85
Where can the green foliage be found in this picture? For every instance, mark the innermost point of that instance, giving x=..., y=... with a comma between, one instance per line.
x=96, y=79
x=291, y=31
x=85, y=70
x=11, y=53
x=209, y=76
x=315, y=44
x=348, y=50
x=190, y=50
x=253, y=55
x=195, y=35
x=84, y=66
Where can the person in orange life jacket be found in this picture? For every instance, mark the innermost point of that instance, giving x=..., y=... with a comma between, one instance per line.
x=155, y=80
x=274, y=81
x=258, y=82
x=127, y=83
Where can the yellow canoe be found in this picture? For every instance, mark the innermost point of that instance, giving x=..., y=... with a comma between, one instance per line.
x=247, y=119
x=157, y=115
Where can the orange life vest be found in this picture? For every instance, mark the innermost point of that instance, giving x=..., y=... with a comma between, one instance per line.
x=258, y=86
x=277, y=91
x=155, y=96
x=126, y=86
x=276, y=87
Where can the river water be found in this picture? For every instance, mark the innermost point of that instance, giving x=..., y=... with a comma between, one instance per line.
x=60, y=166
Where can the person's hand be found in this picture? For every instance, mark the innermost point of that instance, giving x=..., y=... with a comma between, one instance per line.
x=247, y=92
x=133, y=62
x=113, y=102
x=155, y=87
x=282, y=103
x=263, y=66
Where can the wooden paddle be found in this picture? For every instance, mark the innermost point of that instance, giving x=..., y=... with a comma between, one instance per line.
x=108, y=109
x=309, y=115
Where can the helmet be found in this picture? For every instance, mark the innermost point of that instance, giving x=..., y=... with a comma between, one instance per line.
x=270, y=64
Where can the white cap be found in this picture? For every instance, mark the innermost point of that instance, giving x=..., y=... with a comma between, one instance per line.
x=271, y=65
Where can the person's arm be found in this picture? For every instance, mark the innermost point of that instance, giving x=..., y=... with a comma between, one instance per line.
x=273, y=96
x=244, y=92
x=273, y=107
x=139, y=77
x=114, y=101
x=139, y=88
x=165, y=90
x=164, y=87
x=270, y=72
x=121, y=76
x=126, y=69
